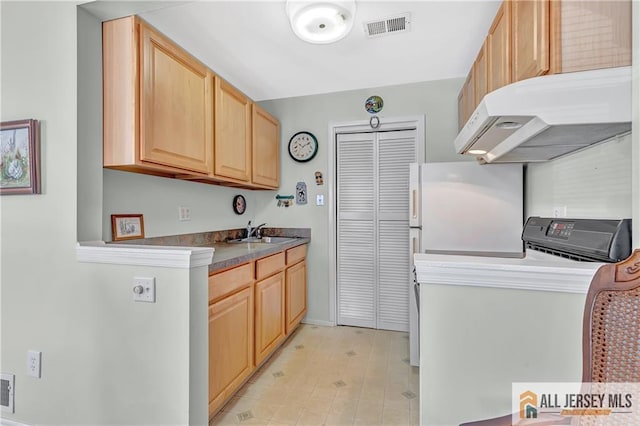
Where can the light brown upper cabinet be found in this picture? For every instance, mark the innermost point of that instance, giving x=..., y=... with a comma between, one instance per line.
x=466, y=99
x=232, y=152
x=265, y=149
x=499, y=49
x=157, y=102
x=167, y=114
x=530, y=39
x=589, y=34
x=480, y=76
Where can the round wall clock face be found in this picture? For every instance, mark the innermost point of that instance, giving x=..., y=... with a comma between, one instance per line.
x=239, y=204
x=303, y=146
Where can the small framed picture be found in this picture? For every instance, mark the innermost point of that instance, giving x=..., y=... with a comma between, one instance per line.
x=19, y=157
x=127, y=226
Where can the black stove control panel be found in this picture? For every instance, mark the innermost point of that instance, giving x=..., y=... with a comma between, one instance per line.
x=560, y=229
x=596, y=240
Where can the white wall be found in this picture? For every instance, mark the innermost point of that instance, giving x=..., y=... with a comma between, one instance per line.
x=594, y=183
x=105, y=359
x=89, y=127
x=480, y=340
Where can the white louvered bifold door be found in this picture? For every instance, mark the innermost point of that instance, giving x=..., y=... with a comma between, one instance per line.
x=373, y=228
x=356, y=229
x=395, y=151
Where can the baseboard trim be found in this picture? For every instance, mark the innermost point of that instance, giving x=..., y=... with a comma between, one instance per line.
x=7, y=422
x=318, y=322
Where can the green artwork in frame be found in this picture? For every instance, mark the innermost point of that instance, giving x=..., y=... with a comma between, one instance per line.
x=19, y=157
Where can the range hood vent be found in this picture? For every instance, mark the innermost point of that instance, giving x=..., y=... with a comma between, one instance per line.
x=391, y=25
x=543, y=118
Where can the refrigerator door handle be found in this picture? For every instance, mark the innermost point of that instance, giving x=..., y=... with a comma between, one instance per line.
x=414, y=204
x=415, y=248
x=416, y=289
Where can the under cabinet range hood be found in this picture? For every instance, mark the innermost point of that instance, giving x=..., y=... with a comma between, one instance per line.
x=545, y=117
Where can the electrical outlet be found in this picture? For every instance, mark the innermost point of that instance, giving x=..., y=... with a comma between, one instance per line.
x=560, y=211
x=33, y=363
x=184, y=213
x=144, y=289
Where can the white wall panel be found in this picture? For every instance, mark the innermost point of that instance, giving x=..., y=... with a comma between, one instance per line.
x=594, y=183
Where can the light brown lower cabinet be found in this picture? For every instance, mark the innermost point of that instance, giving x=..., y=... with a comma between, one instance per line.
x=270, y=330
x=296, y=295
x=252, y=309
x=230, y=345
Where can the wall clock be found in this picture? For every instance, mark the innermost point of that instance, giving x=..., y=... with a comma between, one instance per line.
x=303, y=146
x=239, y=204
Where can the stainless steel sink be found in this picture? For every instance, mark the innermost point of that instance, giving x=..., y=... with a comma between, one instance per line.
x=263, y=240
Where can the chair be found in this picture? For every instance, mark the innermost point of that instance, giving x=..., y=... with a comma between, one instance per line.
x=610, y=336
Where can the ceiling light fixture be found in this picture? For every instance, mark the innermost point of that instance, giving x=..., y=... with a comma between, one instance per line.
x=321, y=22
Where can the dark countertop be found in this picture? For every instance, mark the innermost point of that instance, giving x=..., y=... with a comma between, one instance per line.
x=227, y=255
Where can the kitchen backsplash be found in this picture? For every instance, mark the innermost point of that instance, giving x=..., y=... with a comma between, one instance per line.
x=594, y=183
x=207, y=238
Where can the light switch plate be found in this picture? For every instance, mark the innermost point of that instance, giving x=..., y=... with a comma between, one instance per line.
x=144, y=289
x=319, y=200
x=184, y=213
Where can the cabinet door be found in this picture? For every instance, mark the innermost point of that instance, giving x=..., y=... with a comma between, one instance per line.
x=296, y=294
x=593, y=34
x=466, y=100
x=175, y=107
x=230, y=346
x=266, y=147
x=480, y=75
x=499, y=49
x=530, y=48
x=232, y=152
x=269, y=328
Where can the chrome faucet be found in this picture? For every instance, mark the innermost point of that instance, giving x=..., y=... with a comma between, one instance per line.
x=254, y=231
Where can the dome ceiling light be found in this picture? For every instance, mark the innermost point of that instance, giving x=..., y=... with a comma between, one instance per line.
x=321, y=22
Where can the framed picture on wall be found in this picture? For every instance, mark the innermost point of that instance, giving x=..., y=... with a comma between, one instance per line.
x=127, y=227
x=19, y=157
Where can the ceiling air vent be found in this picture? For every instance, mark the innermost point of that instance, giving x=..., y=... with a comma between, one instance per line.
x=391, y=25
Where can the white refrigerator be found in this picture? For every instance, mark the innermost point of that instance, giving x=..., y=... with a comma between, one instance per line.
x=462, y=208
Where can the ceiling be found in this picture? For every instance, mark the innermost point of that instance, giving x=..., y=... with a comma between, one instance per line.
x=251, y=45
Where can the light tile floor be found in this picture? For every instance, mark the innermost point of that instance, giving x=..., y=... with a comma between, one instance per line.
x=331, y=376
